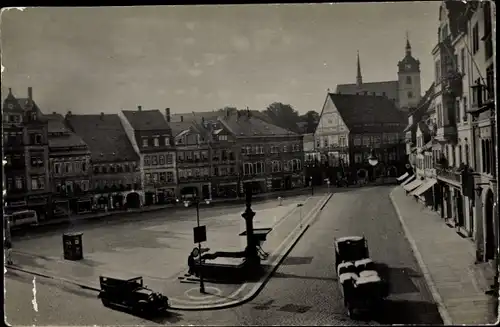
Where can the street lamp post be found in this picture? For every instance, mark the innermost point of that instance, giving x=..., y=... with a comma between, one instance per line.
x=373, y=161
x=300, y=205
x=197, y=203
x=251, y=253
x=312, y=186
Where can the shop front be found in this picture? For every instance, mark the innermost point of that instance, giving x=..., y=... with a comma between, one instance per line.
x=258, y=185
x=297, y=181
x=40, y=204
x=225, y=190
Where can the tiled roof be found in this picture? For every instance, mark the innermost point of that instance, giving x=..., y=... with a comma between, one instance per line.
x=146, y=120
x=358, y=110
x=389, y=87
x=179, y=127
x=68, y=139
x=105, y=137
x=243, y=126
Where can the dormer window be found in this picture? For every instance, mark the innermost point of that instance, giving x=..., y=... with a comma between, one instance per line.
x=156, y=142
x=145, y=143
x=222, y=137
x=167, y=140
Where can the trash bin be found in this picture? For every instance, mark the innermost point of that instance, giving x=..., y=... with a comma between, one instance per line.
x=73, y=247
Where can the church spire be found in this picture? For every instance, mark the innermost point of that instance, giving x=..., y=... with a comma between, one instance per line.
x=359, y=78
x=408, y=46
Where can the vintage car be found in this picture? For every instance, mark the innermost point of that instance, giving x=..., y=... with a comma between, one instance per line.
x=131, y=294
x=350, y=249
x=362, y=293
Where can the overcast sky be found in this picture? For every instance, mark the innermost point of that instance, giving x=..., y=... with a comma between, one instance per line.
x=194, y=58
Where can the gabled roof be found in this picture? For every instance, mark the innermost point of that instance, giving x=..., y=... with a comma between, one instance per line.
x=146, y=120
x=68, y=139
x=358, y=110
x=105, y=137
x=241, y=125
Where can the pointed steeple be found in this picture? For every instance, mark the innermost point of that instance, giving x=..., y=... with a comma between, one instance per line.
x=408, y=46
x=359, y=78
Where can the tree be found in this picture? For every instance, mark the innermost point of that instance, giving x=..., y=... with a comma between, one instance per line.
x=283, y=115
x=311, y=118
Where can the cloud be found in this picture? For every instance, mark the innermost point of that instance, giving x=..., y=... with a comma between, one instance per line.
x=224, y=94
x=195, y=72
x=241, y=43
x=179, y=92
x=211, y=59
x=294, y=82
x=191, y=25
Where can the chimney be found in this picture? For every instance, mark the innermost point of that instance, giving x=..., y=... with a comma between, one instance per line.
x=102, y=115
x=139, y=108
x=69, y=113
x=167, y=114
x=182, y=118
x=54, y=113
x=30, y=93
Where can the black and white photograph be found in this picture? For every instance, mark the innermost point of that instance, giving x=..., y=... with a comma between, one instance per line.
x=250, y=164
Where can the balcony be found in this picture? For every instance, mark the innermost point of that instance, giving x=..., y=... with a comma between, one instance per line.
x=450, y=175
x=483, y=99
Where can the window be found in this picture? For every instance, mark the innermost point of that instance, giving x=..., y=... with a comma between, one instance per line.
x=145, y=143
x=475, y=39
x=147, y=178
x=34, y=183
x=366, y=140
x=167, y=140
x=325, y=141
x=222, y=137
x=285, y=148
x=170, y=177
x=163, y=177
x=457, y=110
x=462, y=60
x=248, y=169
x=154, y=160
x=490, y=82
x=156, y=142
x=410, y=94
x=383, y=93
x=19, y=183
x=162, y=159
x=437, y=71
x=146, y=160
x=466, y=115
x=57, y=168
x=408, y=80
x=170, y=158
x=357, y=141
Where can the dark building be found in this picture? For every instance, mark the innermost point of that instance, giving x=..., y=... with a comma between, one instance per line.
x=27, y=153
x=116, y=176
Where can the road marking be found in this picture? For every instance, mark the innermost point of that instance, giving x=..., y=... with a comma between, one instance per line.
x=211, y=302
x=216, y=290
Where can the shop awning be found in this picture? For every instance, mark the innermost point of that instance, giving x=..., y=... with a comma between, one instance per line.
x=424, y=187
x=409, y=179
x=400, y=178
x=413, y=185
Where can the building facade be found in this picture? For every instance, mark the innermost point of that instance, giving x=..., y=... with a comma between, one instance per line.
x=192, y=160
x=116, y=177
x=69, y=168
x=27, y=154
x=151, y=136
x=463, y=107
x=354, y=127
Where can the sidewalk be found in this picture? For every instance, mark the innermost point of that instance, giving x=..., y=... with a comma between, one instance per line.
x=447, y=262
x=183, y=293
x=152, y=208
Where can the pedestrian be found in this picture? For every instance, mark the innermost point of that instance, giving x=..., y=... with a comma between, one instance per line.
x=191, y=264
x=8, y=250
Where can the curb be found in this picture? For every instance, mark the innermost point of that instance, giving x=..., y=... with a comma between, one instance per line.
x=259, y=285
x=60, y=279
x=443, y=312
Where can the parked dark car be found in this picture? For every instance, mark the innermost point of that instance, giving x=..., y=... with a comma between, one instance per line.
x=131, y=294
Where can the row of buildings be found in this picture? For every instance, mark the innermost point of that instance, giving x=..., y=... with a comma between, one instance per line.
x=451, y=136
x=59, y=164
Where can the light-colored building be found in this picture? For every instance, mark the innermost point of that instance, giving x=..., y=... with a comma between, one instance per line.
x=151, y=137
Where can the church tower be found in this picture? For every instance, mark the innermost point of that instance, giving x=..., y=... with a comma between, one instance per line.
x=409, y=85
x=359, y=78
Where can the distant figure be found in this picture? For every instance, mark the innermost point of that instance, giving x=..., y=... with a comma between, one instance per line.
x=191, y=264
x=8, y=250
